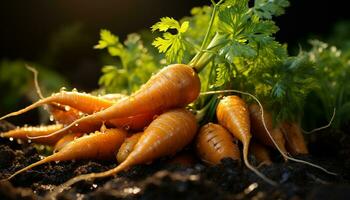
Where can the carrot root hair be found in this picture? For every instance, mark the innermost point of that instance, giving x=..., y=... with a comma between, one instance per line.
x=322, y=127
x=266, y=129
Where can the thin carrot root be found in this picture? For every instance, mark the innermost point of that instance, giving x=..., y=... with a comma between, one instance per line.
x=97, y=145
x=322, y=127
x=165, y=136
x=83, y=102
x=262, y=116
x=23, y=133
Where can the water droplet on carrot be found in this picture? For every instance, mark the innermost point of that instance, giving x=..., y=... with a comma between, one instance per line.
x=74, y=90
x=76, y=124
x=52, y=118
x=66, y=108
x=63, y=89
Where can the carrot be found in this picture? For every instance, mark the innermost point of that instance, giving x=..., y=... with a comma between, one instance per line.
x=260, y=153
x=80, y=101
x=115, y=97
x=174, y=86
x=22, y=133
x=65, y=140
x=266, y=129
x=232, y=113
x=165, y=136
x=294, y=137
x=214, y=143
x=62, y=114
x=259, y=131
x=127, y=146
x=94, y=146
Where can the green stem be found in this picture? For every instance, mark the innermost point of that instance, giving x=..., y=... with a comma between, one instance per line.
x=196, y=61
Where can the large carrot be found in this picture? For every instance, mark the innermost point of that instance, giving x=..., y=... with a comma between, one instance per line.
x=294, y=137
x=22, y=133
x=232, y=113
x=94, y=146
x=214, y=143
x=165, y=136
x=259, y=131
x=174, y=86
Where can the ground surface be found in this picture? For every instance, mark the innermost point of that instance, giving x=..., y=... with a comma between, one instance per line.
x=168, y=180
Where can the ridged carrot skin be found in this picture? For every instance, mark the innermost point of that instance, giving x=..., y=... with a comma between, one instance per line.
x=259, y=131
x=174, y=86
x=127, y=146
x=94, y=146
x=233, y=114
x=261, y=153
x=214, y=143
x=22, y=133
x=166, y=135
x=83, y=102
x=295, y=141
x=65, y=140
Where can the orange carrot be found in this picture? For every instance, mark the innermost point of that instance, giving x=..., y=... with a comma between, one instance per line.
x=259, y=131
x=165, y=136
x=65, y=140
x=22, y=133
x=294, y=138
x=174, y=86
x=232, y=113
x=94, y=146
x=62, y=114
x=127, y=146
x=214, y=143
x=80, y=101
x=260, y=153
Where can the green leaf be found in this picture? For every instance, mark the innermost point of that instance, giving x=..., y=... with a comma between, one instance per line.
x=268, y=8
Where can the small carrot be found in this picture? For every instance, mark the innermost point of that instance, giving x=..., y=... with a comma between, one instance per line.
x=232, y=113
x=94, y=146
x=127, y=146
x=65, y=140
x=165, y=136
x=294, y=138
x=259, y=131
x=80, y=101
x=22, y=133
x=174, y=86
x=260, y=153
x=214, y=143
x=62, y=114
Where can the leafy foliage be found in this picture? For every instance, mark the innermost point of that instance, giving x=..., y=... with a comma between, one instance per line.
x=134, y=65
x=173, y=45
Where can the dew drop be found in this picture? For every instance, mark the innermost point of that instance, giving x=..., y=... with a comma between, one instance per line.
x=63, y=89
x=94, y=185
x=74, y=90
x=76, y=124
x=66, y=108
x=127, y=127
x=19, y=141
x=51, y=118
x=41, y=157
x=11, y=139
x=29, y=141
x=57, y=161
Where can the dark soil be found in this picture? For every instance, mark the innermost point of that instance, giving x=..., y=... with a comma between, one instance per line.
x=170, y=180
